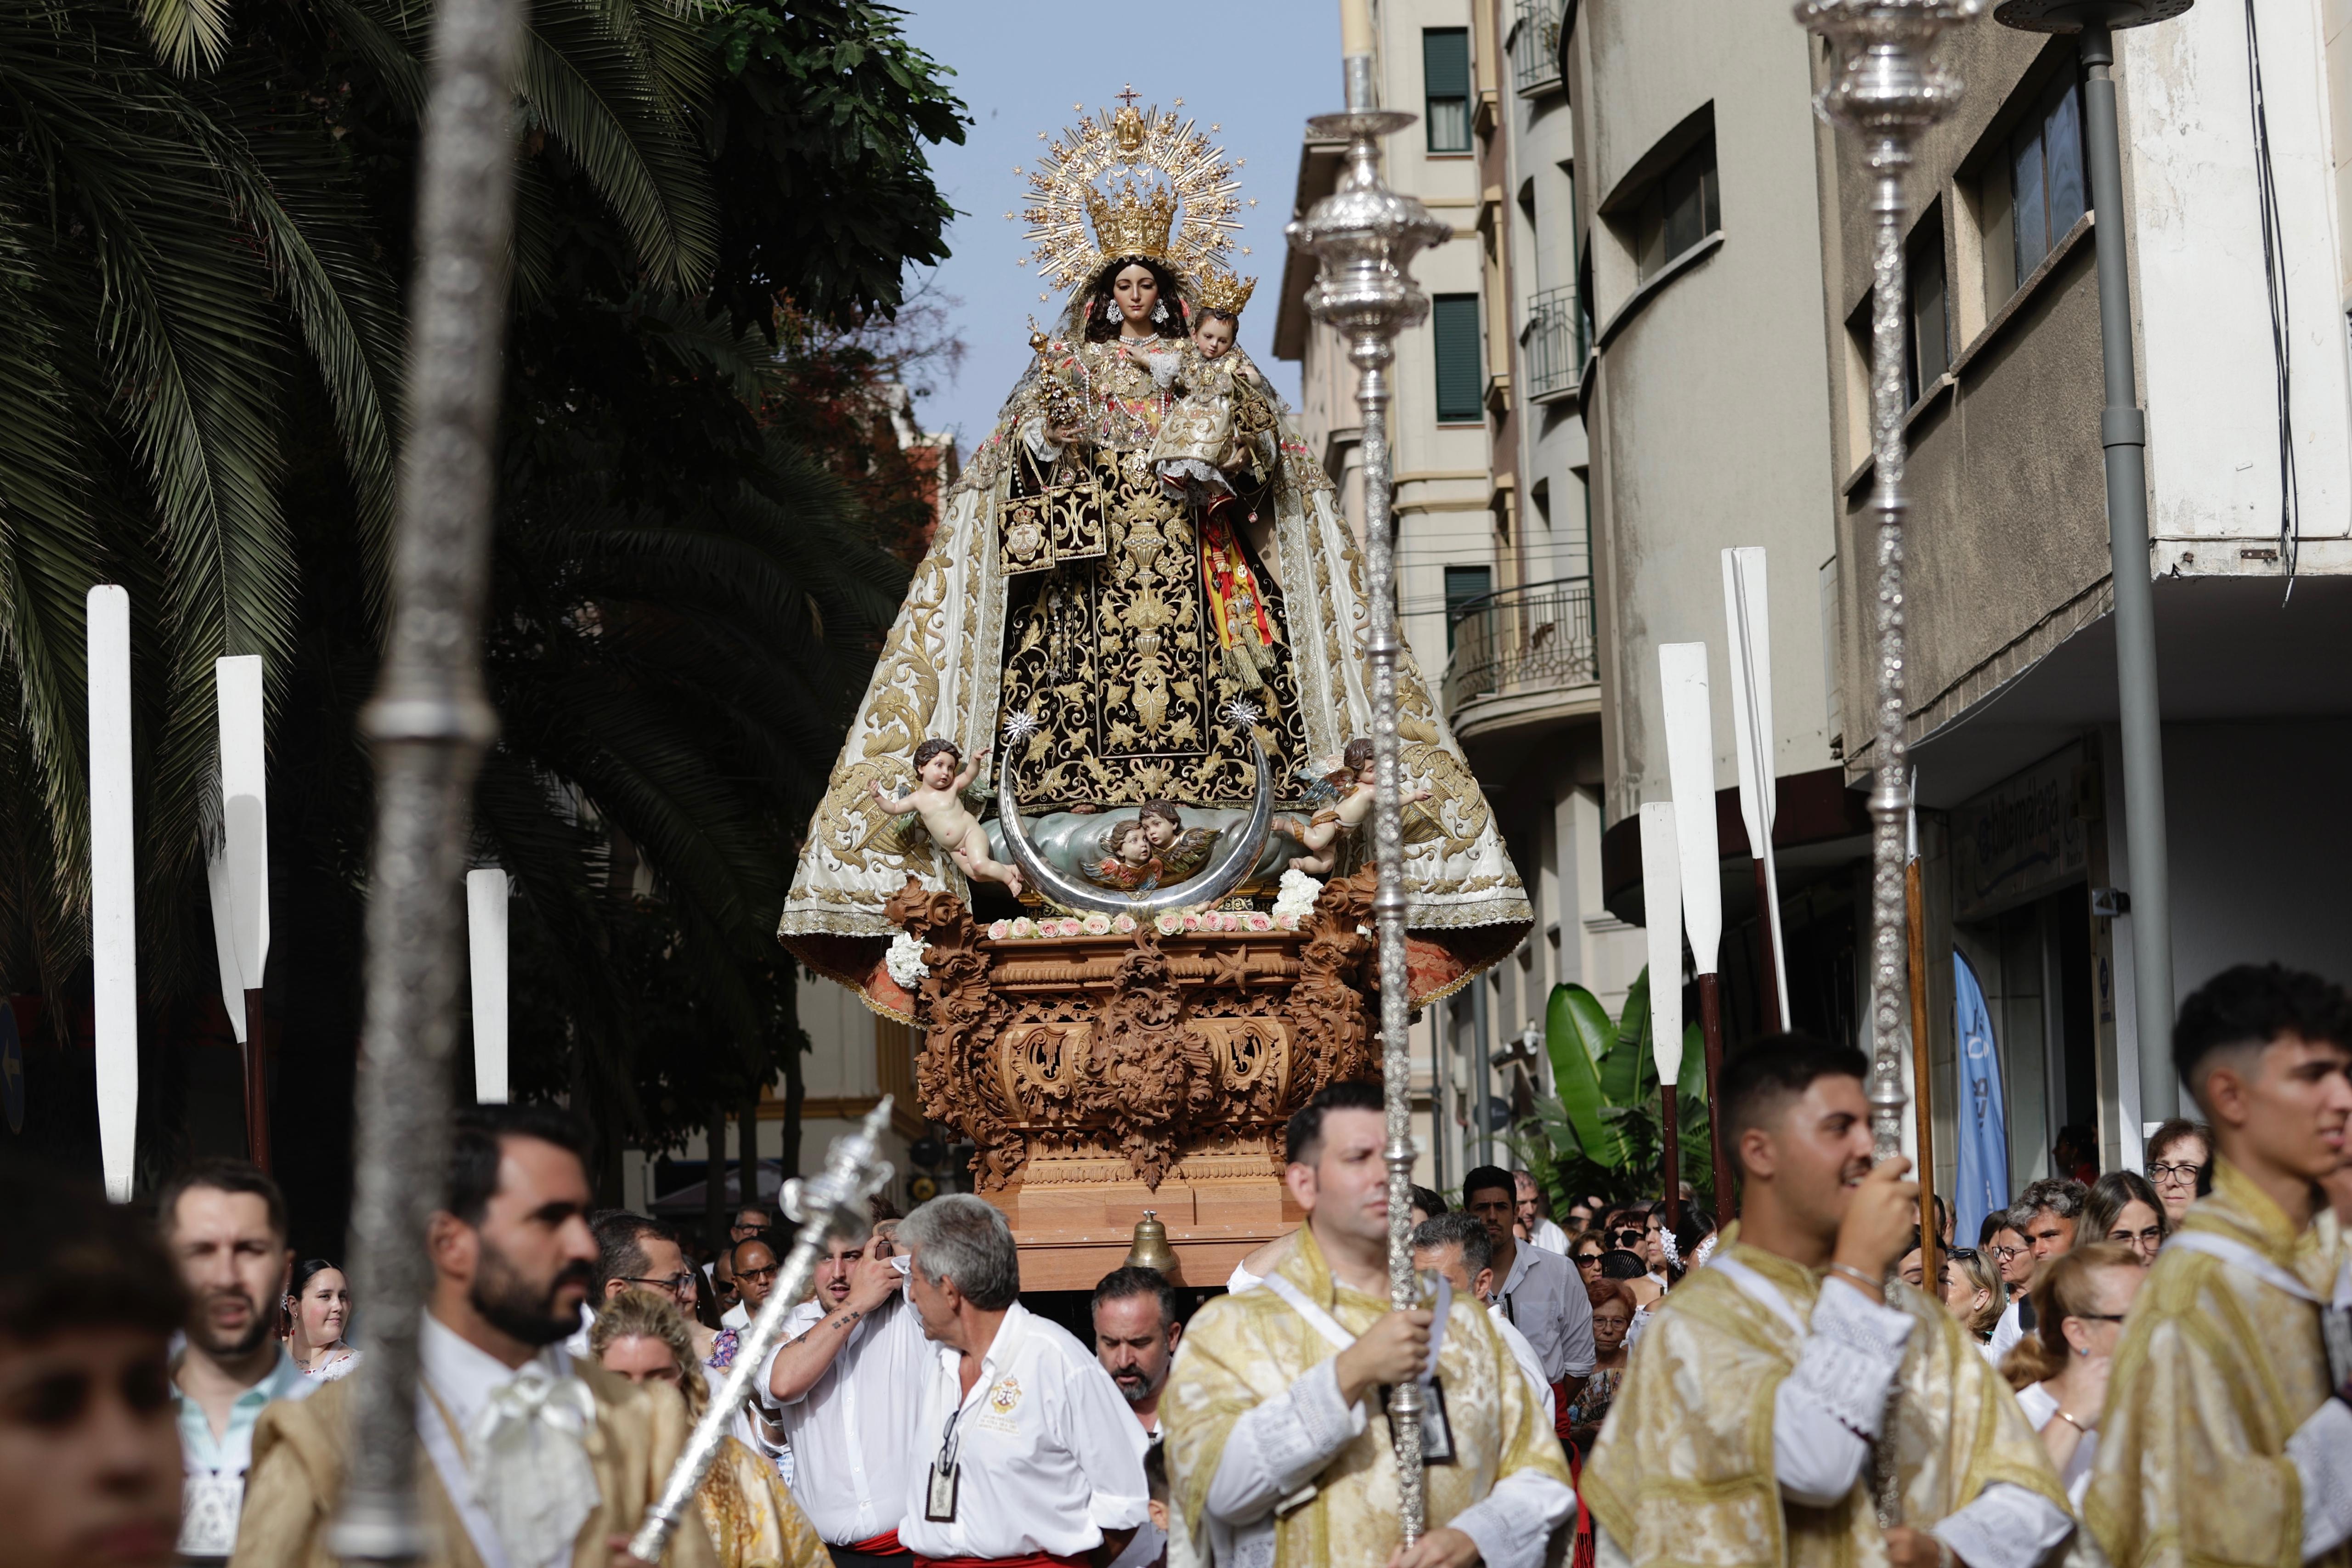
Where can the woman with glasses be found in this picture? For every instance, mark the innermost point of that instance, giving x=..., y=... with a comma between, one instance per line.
x=1584, y=1250
x=2179, y=1153
x=2060, y=1371
x=2123, y=1208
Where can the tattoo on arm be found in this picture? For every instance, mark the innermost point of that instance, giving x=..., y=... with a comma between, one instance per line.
x=847, y=1320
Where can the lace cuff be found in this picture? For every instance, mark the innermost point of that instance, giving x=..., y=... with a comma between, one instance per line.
x=1513, y=1523
x=1032, y=434
x=2005, y=1526
x=1854, y=1350
x=2322, y=1451
x=1277, y=1447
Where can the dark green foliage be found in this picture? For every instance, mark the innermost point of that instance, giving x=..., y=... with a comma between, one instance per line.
x=1601, y=1137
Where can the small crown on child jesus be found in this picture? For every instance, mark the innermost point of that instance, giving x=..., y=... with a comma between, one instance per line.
x=1225, y=293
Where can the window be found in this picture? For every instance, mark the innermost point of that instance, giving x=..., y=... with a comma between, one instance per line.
x=1928, y=347
x=1445, y=77
x=1461, y=375
x=1682, y=209
x=2032, y=191
x=1465, y=585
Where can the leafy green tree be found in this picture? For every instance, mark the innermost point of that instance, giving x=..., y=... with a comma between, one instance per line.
x=1600, y=1136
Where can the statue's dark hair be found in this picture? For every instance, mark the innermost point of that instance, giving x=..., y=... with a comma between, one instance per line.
x=1165, y=810
x=1172, y=294
x=923, y=753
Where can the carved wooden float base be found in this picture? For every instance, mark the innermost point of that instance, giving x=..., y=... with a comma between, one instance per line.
x=1102, y=1076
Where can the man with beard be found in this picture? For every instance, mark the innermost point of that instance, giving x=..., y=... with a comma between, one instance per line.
x=1136, y=1333
x=224, y=1223
x=529, y=1460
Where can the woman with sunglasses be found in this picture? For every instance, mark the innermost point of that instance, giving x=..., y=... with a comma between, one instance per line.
x=2060, y=1371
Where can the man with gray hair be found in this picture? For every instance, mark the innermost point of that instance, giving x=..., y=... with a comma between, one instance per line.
x=1039, y=1459
x=1457, y=1246
x=2044, y=1214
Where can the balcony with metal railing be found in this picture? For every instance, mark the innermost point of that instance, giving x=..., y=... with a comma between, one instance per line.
x=1552, y=341
x=1534, y=46
x=1522, y=656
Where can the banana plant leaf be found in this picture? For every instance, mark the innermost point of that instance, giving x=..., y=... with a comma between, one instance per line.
x=1628, y=1072
x=1577, y=1034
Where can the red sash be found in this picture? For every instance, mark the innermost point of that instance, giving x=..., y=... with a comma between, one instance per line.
x=1560, y=1409
x=883, y=1546
x=1034, y=1560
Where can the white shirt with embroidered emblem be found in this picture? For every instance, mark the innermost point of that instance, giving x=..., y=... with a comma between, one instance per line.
x=1048, y=1454
x=465, y=1380
x=853, y=1432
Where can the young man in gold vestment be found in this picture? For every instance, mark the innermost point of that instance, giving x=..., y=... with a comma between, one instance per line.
x=1749, y=1418
x=2227, y=1436
x=1279, y=1453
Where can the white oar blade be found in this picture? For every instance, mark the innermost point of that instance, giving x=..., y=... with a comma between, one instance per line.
x=114, y=909
x=1748, y=637
x=486, y=944
x=1661, y=917
x=245, y=810
x=232, y=978
x=1690, y=770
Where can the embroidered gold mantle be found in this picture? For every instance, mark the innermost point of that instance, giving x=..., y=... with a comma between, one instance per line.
x=1684, y=1472
x=943, y=669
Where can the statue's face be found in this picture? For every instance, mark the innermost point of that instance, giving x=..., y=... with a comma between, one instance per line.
x=1136, y=292
x=1160, y=831
x=939, y=770
x=1135, y=847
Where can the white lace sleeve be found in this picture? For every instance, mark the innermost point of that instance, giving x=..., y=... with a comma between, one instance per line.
x=2322, y=1451
x=1828, y=1410
x=2005, y=1526
x=1033, y=434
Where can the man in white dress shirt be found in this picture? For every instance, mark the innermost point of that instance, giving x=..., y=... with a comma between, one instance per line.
x=1457, y=1245
x=844, y=1386
x=1541, y=1291
x=1028, y=1455
x=1540, y=1231
x=529, y=1460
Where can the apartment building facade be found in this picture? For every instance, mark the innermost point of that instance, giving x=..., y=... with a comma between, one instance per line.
x=1494, y=574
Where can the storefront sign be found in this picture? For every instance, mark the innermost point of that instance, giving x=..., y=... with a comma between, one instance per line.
x=2023, y=837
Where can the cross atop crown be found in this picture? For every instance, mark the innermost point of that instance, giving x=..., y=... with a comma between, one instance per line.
x=1129, y=97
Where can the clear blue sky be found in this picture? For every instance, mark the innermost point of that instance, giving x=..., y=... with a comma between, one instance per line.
x=1256, y=68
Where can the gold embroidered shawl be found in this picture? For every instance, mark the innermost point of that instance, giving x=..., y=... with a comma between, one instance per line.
x=2215, y=1372
x=1684, y=1472
x=1242, y=1350
x=302, y=1453
x=753, y=1519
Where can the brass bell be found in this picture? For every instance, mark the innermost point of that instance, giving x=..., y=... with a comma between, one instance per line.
x=1150, y=1249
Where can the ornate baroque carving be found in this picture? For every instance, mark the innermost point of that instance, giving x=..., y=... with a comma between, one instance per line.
x=1110, y=1058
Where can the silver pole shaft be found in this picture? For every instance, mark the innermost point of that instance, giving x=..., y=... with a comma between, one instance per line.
x=2123, y=430
x=1365, y=235
x=430, y=724
x=1890, y=801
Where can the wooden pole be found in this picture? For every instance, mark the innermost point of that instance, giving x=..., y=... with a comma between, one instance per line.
x=1921, y=1100
x=257, y=1084
x=1672, y=1154
x=1775, y=1015
x=1710, y=1029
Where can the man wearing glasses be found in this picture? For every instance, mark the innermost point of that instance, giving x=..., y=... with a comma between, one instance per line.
x=2178, y=1152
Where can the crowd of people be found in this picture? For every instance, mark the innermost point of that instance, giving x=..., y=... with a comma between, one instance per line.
x=2147, y=1368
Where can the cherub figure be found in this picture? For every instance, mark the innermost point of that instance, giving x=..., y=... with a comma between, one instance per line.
x=1348, y=788
x=938, y=797
x=1130, y=866
x=1181, y=850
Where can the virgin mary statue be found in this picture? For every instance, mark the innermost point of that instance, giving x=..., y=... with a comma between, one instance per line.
x=1096, y=618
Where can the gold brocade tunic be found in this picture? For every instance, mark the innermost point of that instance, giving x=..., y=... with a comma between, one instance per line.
x=2216, y=1371
x=1684, y=1472
x=1110, y=641
x=753, y=1521
x=1242, y=1350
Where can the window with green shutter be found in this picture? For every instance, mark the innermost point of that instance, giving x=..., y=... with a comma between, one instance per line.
x=1453, y=320
x=1445, y=81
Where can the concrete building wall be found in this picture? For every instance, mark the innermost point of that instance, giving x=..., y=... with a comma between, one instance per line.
x=1707, y=405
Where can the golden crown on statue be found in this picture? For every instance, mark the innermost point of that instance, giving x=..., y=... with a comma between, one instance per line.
x=1223, y=292
x=1131, y=226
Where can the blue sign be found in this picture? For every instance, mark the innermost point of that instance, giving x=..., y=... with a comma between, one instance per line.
x=12, y=1067
x=1982, y=1184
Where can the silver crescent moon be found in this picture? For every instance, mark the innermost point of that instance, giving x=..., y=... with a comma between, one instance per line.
x=1221, y=876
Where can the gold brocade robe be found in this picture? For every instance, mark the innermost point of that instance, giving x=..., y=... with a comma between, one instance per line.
x=755, y=1519
x=1684, y=1472
x=2215, y=1372
x=301, y=1453
x=1242, y=1350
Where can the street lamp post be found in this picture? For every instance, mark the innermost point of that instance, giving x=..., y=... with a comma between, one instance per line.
x=2123, y=432
x=1365, y=236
